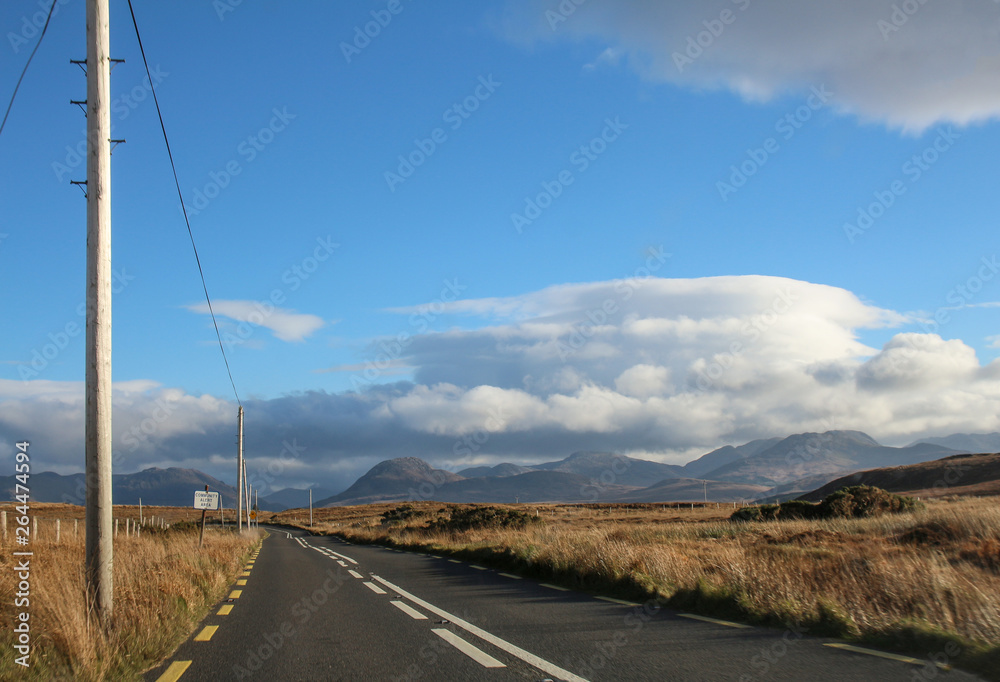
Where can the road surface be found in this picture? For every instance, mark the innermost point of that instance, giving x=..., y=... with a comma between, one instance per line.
x=318, y=608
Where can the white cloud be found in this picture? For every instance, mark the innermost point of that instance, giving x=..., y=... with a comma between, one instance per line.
x=658, y=367
x=942, y=64
x=644, y=381
x=286, y=325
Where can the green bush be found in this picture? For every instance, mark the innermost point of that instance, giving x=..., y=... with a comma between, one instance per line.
x=856, y=501
x=799, y=509
x=470, y=518
x=859, y=501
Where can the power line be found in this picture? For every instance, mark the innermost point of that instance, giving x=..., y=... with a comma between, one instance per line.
x=28, y=63
x=180, y=196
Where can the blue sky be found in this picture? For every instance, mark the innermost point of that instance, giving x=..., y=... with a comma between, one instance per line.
x=312, y=129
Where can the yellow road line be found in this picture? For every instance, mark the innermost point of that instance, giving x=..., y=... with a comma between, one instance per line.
x=245, y=574
x=242, y=581
x=174, y=671
x=883, y=654
x=235, y=594
x=225, y=610
x=727, y=623
x=206, y=634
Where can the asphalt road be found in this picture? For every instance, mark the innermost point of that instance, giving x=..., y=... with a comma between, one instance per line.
x=318, y=608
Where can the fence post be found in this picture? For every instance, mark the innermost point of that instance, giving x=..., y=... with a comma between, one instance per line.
x=58, y=531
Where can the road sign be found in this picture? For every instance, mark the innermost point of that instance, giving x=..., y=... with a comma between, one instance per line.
x=206, y=500
x=253, y=514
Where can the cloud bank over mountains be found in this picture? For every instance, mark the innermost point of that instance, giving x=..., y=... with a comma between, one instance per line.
x=907, y=63
x=659, y=368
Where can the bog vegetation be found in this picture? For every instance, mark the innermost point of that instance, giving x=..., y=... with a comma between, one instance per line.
x=163, y=587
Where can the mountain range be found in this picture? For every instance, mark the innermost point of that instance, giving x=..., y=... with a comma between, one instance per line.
x=773, y=468
x=782, y=468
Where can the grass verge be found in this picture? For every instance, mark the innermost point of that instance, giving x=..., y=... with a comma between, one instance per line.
x=163, y=587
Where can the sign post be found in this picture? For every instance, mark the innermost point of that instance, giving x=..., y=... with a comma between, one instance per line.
x=205, y=501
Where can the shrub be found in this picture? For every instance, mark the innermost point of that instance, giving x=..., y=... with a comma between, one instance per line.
x=855, y=501
x=859, y=501
x=471, y=518
x=799, y=509
x=400, y=514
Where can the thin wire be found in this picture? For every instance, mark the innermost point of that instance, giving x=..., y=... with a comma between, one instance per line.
x=28, y=63
x=183, y=205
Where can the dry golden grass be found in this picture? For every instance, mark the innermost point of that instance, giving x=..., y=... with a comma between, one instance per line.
x=163, y=587
x=913, y=582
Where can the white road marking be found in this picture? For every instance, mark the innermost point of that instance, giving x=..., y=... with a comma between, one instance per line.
x=374, y=588
x=345, y=558
x=356, y=574
x=706, y=619
x=555, y=587
x=510, y=575
x=512, y=649
x=408, y=610
x=480, y=657
x=883, y=654
x=617, y=601
x=343, y=563
x=478, y=568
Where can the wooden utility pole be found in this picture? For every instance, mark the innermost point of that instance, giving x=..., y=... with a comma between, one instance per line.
x=247, y=487
x=100, y=546
x=239, y=469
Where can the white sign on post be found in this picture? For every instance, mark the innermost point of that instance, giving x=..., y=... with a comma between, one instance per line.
x=204, y=500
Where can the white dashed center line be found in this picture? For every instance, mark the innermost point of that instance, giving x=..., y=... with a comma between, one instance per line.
x=408, y=610
x=512, y=649
x=472, y=652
